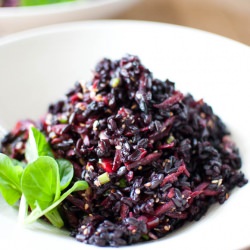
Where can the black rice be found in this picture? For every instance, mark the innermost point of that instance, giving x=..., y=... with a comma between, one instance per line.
x=165, y=156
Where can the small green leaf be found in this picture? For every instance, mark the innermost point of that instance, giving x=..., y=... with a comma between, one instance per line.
x=10, y=176
x=38, y=212
x=40, y=182
x=10, y=195
x=66, y=172
x=78, y=186
x=41, y=2
x=36, y=145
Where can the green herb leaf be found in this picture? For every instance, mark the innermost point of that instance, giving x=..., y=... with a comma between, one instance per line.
x=38, y=212
x=66, y=172
x=36, y=145
x=10, y=176
x=40, y=182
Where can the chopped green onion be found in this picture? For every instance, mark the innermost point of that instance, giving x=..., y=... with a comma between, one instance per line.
x=122, y=183
x=63, y=120
x=103, y=178
x=115, y=82
x=145, y=237
x=170, y=139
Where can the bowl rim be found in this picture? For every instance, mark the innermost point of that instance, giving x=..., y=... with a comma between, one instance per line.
x=77, y=25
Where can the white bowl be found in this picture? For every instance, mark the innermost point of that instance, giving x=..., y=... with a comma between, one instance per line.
x=39, y=66
x=13, y=19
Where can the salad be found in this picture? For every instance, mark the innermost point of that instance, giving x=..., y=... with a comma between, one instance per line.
x=123, y=158
x=16, y=3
